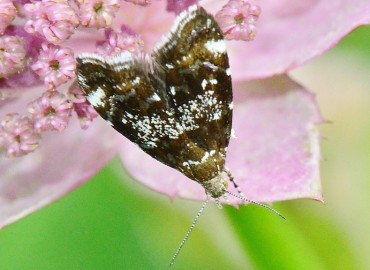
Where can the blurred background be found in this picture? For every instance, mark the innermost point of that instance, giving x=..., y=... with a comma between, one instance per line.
x=112, y=222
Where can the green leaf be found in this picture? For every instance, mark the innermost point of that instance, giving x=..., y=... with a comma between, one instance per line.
x=271, y=242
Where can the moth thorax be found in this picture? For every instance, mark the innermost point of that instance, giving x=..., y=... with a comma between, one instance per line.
x=216, y=187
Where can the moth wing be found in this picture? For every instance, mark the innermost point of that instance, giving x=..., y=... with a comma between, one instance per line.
x=197, y=78
x=125, y=94
x=130, y=97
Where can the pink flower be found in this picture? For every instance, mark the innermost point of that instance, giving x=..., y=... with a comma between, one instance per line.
x=12, y=55
x=179, y=5
x=81, y=106
x=55, y=65
x=7, y=14
x=97, y=13
x=237, y=20
x=276, y=153
x=18, y=136
x=116, y=42
x=55, y=20
x=51, y=111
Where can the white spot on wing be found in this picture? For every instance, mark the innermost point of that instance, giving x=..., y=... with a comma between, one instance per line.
x=216, y=46
x=204, y=84
x=154, y=97
x=96, y=98
x=213, y=81
x=228, y=72
x=136, y=80
x=231, y=105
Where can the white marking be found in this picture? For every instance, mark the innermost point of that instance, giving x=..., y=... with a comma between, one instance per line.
x=217, y=115
x=213, y=81
x=231, y=105
x=169, y=66
x=151, y=144
x=151, y=128
x=173, y=90
x=154, y=97
x=96, y=98
x=91, y=58
x=205, y=157
x=119, y=59
x=136, y=80
x=210, y=65
x=228, y=72
x=204, y=84
x=216, y=46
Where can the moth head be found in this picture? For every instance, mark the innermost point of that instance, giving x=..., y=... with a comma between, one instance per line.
x=216, y=187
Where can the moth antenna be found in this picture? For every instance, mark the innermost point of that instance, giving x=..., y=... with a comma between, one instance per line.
x=243, y=198
x=190, y=230
x=256, y=203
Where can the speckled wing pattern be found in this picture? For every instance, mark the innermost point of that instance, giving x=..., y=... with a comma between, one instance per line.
x=176, y=105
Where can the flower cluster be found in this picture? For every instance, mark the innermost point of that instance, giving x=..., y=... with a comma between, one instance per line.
x=12, y=55
x=37, y=45
x=117, y=42
x=7, y=14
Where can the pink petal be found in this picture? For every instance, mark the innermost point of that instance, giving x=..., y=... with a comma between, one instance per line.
x=64, y=161
x=274, y=157
x=152, y=21
x=289, y=33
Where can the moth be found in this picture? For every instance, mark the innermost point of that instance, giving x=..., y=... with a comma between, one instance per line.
x=176, y=104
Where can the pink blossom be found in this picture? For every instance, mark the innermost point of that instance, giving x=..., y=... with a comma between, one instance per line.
x=267, y=169
x=12, y=55
x=18, y=136
x=7, y=14
x=116, y=42
x=51, y=111
x=55, y=65
x=81, y=106
x=97, y=13
x=237, y=19
x=55, y=20
x=179, y=5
